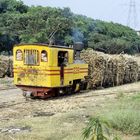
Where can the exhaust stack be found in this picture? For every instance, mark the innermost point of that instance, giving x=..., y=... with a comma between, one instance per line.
x=78, y=47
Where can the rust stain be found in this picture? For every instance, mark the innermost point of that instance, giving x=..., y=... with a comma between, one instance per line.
x=22, y=74
x=32, y=71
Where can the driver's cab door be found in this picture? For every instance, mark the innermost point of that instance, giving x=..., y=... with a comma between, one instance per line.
x=62, y=62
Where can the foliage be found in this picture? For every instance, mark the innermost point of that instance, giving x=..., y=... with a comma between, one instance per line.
x=22, y=24
x=94, y=129
x=113, y=38
x=116, y=138
x=12, y=6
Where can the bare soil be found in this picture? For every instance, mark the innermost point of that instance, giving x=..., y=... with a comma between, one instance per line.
x=15, y=108
x=13, y=104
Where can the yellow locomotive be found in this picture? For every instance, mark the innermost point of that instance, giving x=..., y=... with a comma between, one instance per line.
x=42, y=70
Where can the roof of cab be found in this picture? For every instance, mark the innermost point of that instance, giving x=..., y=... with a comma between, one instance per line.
x=47, y=45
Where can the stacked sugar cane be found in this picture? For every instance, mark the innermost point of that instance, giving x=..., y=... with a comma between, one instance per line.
x=137, y=58
x=6, y=66
x=110, y=70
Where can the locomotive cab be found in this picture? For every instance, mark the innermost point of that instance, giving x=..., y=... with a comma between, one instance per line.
x=42, y=70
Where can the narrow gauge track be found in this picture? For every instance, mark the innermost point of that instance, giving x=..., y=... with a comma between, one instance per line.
x=9, y=88
x=82, y=94
x=90, y=93
x=11, y=104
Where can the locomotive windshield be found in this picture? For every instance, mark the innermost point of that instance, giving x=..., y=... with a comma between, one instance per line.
x=31, y=57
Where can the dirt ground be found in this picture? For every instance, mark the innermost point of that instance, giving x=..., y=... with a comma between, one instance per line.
x=13, y=104
x=14, y=108
x=6, y=83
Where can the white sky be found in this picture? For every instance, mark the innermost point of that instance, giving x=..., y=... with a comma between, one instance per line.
x=107, y=10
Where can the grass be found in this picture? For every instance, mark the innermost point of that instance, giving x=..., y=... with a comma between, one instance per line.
x=119, y=95
x=122, y=113
x=58, y=127
x=125, y=115
x=126, y=121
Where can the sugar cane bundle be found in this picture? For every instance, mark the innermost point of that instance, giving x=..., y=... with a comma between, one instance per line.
x=97, y=66
x=3, y=66
x=119, y=74
x=10, y=68
x=6, y=66
x=131, y=70
x=137, y=59
x=109, y=73
x=110, y=70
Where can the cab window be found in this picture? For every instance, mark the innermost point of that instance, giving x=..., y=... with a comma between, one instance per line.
x=19, y=55
x=62, y=58
x=44, y=56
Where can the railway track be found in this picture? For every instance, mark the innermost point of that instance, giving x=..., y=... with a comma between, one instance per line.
x=9, y=88
x=71, y=96
x=83, y=94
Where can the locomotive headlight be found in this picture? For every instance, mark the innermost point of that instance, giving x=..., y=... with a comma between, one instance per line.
x=18, y=55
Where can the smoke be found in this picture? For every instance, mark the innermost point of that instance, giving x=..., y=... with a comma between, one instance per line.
x=77, y=35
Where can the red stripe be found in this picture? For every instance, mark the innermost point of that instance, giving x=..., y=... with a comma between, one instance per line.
x=68, y=72
x=39, y=73
x=80, y=72
x=77, y=72
x=51, y=70
x=83, y=68
x=68, y=69
x=38, y=70
x=83, y=71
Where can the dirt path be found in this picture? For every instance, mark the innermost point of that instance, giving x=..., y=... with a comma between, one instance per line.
x=62, y=113
x=13, y=105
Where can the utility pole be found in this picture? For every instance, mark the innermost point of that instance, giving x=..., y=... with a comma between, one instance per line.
x=132, y=15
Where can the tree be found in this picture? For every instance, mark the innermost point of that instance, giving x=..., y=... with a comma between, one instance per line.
x=37, y=24
x=12, y=6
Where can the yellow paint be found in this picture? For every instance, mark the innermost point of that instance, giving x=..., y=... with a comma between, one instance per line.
x=46, y=74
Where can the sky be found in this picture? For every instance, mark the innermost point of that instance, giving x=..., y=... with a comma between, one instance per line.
x=106, y=10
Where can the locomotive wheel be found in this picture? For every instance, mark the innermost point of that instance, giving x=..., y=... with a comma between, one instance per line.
x=64, y=91
x=83, y=85
x=76, y=87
